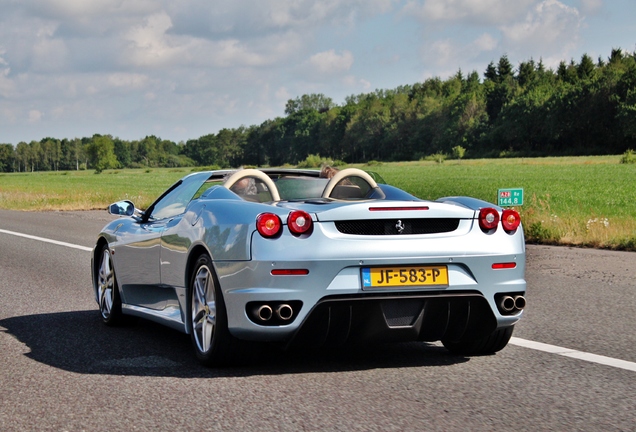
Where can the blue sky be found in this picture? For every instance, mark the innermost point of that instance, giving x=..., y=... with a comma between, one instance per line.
x=182, y=69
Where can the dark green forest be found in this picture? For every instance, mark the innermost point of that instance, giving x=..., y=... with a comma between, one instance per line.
x=581, y=108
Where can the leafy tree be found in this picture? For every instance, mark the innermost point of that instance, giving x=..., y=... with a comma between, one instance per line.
x=122, y=152
x=23, y=156
x=7, y=157
x=568, y=73
x=527, y=73
x=36, y=155
x=317, y=102
x=586, y=67
x=101, y=153
x=626, y=97
x=458, y=152
x=491, y=72
x=504, y=68
x=49, y=154
x=147, y=151
x=616, y=56
x=229, y=144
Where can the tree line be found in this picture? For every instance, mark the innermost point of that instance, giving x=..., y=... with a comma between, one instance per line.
x=581, y=108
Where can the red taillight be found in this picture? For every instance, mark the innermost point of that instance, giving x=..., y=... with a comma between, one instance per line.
x=268, y=224
x=299, y=222
x=488, y=218
x=510, y=220
x=290, y=272
x=503, y=266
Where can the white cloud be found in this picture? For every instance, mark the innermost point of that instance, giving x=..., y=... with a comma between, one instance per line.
x=485, y=42
x=128, y=80
x=282, y=94
x=6, y=85
x=9, y=114
x=366, y=85
x=467, y=11
x=353, y=84
x=49, y=55
x=229, y=18
x=34, y=116
x=550, y=30
x=591, y=6
x=149, y=44
x=7, y=88
x=154, y=44
x=329, y=62
x=448, y=55
x=65, y=9
x=233, y=52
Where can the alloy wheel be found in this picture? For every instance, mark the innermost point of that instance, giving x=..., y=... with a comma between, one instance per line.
x=106, y=285
x=203, y=309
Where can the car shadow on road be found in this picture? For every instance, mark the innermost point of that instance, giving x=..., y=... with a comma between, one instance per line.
x=79, y=342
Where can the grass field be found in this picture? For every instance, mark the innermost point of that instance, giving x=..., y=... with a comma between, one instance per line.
x=585, y=201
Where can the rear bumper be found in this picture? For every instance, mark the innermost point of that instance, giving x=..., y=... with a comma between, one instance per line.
x=423, y=317
x=331, y=292
x=330, y=304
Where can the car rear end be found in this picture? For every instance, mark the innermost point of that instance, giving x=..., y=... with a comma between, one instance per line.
x=332, y=272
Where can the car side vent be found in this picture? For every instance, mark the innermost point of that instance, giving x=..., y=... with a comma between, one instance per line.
x=398, y=226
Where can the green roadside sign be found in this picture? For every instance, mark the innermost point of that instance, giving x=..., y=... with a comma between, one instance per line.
x=510, y=197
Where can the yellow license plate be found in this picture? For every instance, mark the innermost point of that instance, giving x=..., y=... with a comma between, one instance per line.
x=379, y=277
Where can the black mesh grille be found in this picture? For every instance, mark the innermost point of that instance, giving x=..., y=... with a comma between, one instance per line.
x=400, y=313
x=397, y=226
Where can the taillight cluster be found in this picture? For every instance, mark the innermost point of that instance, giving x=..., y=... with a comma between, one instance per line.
x=489, y=219
x=269, y=225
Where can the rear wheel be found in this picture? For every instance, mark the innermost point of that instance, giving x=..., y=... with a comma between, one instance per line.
x=213, y=344
x=107, y=292
x=496, y=341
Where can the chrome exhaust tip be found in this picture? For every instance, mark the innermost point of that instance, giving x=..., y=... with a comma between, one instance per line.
x=507, y=304
x=264, y=313
x=284, y=312
x=520, y=302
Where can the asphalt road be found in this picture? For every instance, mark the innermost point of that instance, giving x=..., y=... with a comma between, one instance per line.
x=61, y=369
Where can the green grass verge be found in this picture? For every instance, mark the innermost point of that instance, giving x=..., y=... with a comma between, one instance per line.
x=84, y=190
x=583, y=201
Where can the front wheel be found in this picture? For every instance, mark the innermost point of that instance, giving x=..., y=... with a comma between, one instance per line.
x=213, y=344
x=496, y=341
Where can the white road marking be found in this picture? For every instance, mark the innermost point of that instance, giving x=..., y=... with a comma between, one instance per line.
x=42, y=239
x=581, y=355
x=538, y=346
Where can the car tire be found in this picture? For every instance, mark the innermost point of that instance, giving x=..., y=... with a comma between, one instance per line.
x=496, y=341
x=107, y=291
x=213, y=344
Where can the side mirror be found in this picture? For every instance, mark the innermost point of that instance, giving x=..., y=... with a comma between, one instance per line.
x=122, y=208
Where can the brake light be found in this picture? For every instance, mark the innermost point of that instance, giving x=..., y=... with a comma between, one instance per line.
x=299, y=222
x=397, y=208
x=268, y=225
x=488, y=218
x=510, y=220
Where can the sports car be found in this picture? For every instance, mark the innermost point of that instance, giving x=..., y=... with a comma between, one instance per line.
x=289, y=257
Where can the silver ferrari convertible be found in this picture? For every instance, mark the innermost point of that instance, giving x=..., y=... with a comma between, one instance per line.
x=286, y=256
